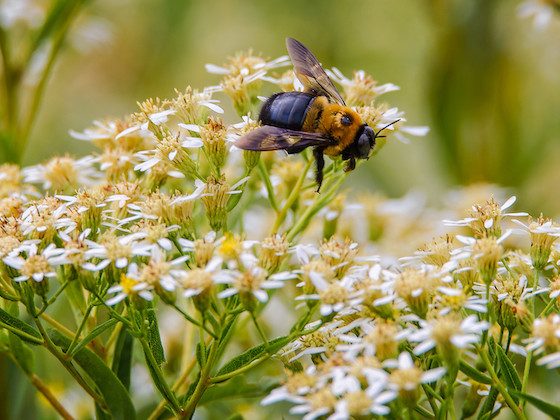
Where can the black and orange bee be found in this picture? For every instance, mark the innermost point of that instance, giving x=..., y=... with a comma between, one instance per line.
x=317, y=117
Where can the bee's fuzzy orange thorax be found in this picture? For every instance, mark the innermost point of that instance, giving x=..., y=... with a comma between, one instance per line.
x=331, y=122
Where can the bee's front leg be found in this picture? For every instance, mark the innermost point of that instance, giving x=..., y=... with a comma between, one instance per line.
x=320, y=161
x=350, y=165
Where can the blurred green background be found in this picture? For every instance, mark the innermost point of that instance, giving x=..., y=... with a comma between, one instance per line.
x=484, y=80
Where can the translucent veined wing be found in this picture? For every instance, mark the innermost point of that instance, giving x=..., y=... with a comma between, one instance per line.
x=310, y=73
x=268, y=137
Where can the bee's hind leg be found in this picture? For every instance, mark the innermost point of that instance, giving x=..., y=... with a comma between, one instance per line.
x=320, y=161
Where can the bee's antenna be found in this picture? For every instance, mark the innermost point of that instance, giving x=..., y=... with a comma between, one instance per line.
x=388, y=125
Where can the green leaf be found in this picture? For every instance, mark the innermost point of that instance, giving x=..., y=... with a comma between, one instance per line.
x=93, y=333
x=239, y=387
x=154, y=340
x=23, y=330
x=474, y=373
x=22, y=353
x=254, y=353
x=122, y=357
x=552, y=410
x=113, y=391
x=508, y=372
x=486, y=410
x=200, y=355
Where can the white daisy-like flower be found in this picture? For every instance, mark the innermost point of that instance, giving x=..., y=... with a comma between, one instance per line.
x=36, y=265
x=130, y=285
x=61, y=171
x=468, y=332
x=255, y=281
x=373, y=399
x=40, y=217
x=359, y=76
x=392, y=115
x=118, y=250
x=199, y=280
x=402, y=379
x=489, y=222
x=250, y=66
x=150, y=158
x=334, y=296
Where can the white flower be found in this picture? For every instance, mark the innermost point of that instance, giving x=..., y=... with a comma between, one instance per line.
x=359, y=76
x=334, y=296
x=468, y=333
x=35, y=265
x=118, y=251
x=489, y=222
x=405, y=363
x=129, y=286
x=254, y=281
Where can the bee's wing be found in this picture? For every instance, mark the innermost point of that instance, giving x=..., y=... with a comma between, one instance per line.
x=268, y=137
x=309, y=71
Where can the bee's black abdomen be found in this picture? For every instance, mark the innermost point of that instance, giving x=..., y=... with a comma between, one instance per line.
x=286, y=109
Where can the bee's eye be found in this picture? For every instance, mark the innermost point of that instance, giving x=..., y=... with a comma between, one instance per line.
x=346, y=120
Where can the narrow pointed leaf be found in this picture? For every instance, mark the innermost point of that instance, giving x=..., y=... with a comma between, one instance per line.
x=508, y=372
x=474, y=373
x=93, y=333
x=254, y=353
x=122, y=358
x=23, y=330
x=154, y=339
x=114, y=393
x=552, y=410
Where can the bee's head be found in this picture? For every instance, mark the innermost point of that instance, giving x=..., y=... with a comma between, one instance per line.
x=365, y=141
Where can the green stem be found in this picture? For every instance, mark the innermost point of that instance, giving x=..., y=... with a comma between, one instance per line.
x=160, y=382
x=259, y=329
x=321, y=202
x=529, y=358
x=499, y=386
x=79, y=332
x=291, y=199
x=49, y=345
x=202, y=384
x=194, y=321
x=269, y=189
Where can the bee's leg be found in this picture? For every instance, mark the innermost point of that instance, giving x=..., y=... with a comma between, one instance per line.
x=351, y=165
x=320, y=161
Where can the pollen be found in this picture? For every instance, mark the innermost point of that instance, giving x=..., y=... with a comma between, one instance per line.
x=231, y=247
x=487, y=219
x=357, y=402
x=61, y=172
x=416, y=288
x=333, y=294
x=273, y=250
x=437, y=252
x=127, y=284
x=322, y=399
x=35, y=264
x=547, y=330
x=338, y=254
x=299, y=380
x=383, y=338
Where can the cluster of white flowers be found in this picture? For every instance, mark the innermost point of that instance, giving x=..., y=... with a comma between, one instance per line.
x=151, y=219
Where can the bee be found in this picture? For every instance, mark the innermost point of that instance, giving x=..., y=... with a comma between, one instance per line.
x=317, y=118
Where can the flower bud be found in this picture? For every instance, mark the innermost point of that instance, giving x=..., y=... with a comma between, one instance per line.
x=215, y=202
x=487, y=254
